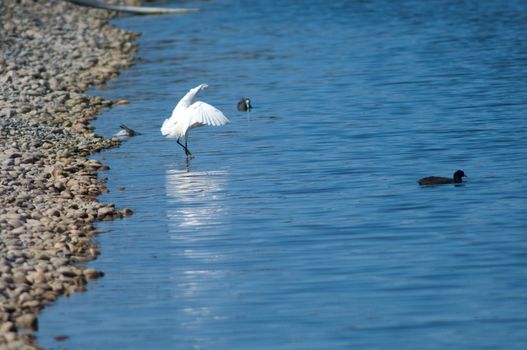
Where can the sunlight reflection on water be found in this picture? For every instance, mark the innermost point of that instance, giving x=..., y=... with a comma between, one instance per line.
x=195, y=197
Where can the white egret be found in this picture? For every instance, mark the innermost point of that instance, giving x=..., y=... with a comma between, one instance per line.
x=188, y=115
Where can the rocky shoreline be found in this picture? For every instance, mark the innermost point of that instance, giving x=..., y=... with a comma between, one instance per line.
x=50, y=52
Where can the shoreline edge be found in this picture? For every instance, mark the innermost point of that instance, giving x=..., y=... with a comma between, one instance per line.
x=50, y=53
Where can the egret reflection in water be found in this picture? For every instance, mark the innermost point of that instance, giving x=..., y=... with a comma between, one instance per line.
x=196, y=201
x=194, y=197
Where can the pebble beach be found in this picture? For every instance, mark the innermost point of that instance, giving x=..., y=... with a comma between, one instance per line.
x=50, y=53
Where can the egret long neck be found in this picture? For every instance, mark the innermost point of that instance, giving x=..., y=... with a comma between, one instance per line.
x=186, y=101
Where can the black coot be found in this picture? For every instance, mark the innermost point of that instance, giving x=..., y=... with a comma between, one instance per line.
x=244, y=105
x=438, y=180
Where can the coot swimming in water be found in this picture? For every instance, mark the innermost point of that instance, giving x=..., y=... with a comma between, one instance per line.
x=438, y=180
x=244, y=105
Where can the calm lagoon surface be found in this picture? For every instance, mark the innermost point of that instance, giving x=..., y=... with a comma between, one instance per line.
x=300, y=225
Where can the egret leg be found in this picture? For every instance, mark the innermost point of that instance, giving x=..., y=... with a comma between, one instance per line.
x=187, y=152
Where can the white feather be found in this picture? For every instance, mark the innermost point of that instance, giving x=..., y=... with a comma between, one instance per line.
x=201, y=113
x=187, y=115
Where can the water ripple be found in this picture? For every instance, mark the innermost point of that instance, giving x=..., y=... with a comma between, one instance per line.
x=301, y=225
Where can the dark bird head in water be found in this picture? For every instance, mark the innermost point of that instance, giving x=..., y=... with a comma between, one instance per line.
x=244, y=105
x=458, y=175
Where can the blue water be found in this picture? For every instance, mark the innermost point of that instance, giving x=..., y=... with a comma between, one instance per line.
x=300, y=225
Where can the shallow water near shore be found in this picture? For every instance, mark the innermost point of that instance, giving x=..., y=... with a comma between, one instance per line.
x=301, y=225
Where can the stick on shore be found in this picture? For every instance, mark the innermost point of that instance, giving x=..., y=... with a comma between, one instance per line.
x=141, y=10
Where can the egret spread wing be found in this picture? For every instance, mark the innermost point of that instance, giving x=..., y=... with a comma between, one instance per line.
x=201, y=113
